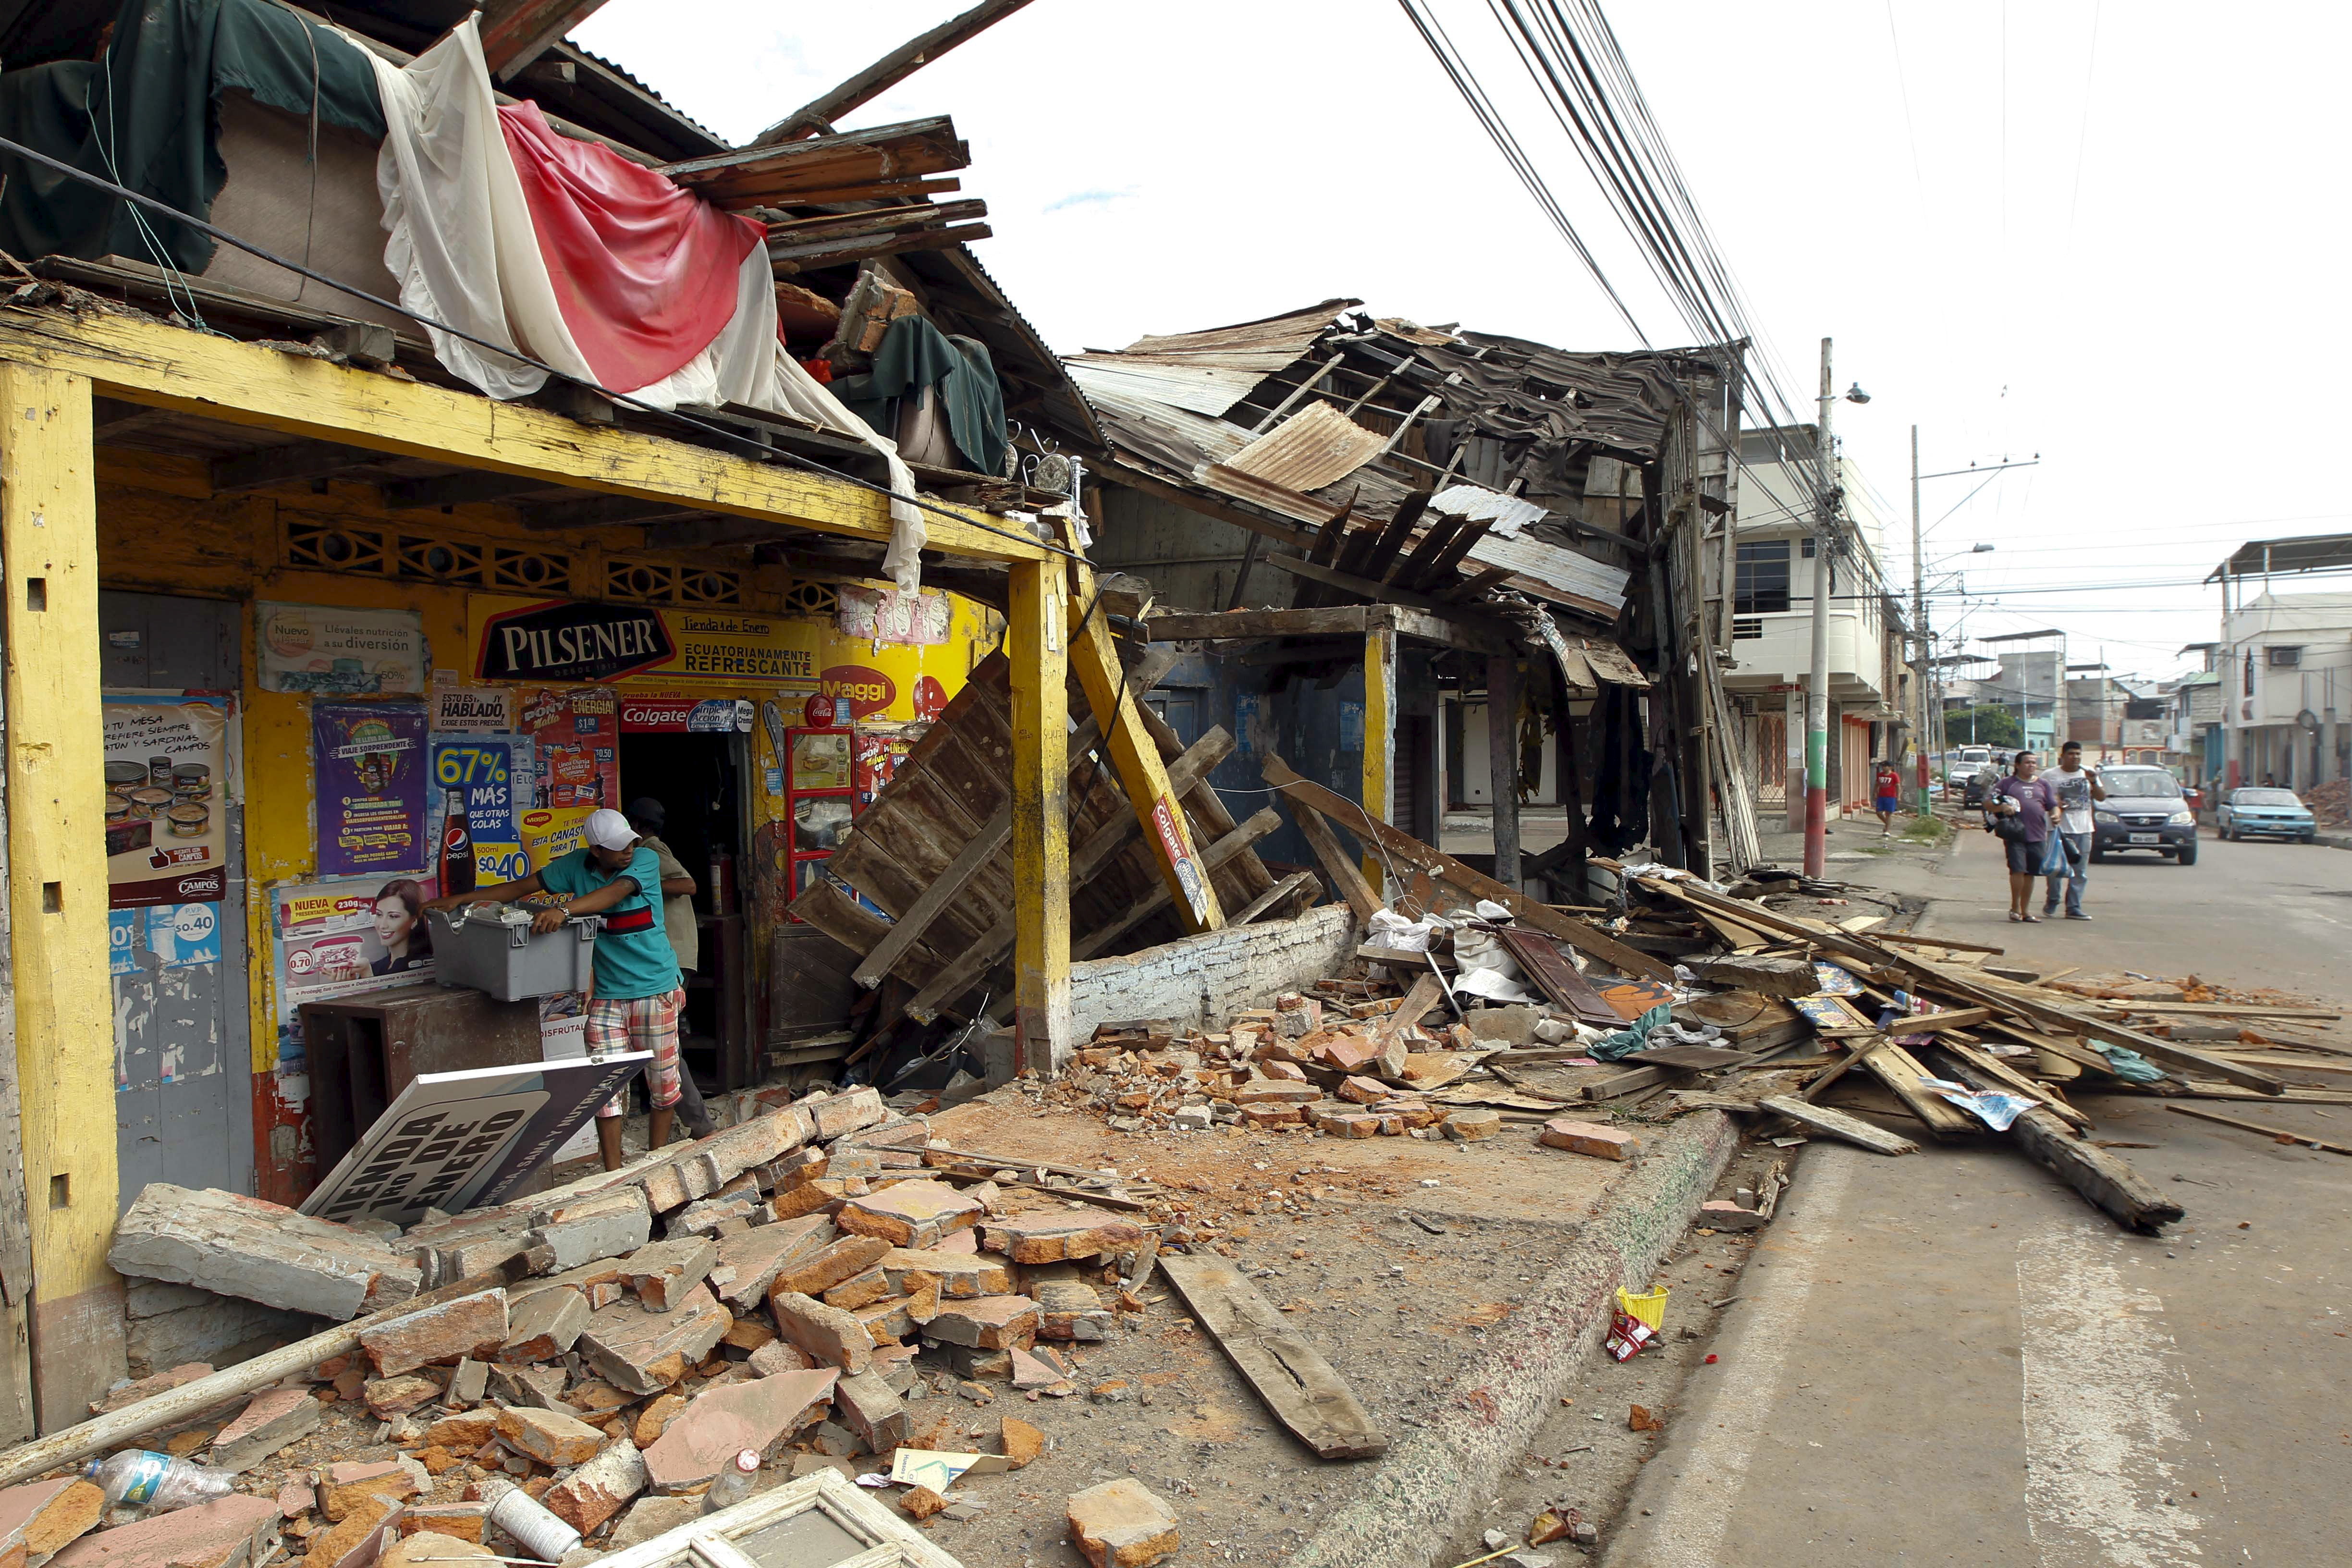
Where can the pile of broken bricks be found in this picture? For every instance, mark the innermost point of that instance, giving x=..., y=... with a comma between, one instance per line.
x=1353, y=1068
x=824, y=1283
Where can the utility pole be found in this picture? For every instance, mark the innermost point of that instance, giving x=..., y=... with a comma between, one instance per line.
x=1919, y=623
x=1817, y=688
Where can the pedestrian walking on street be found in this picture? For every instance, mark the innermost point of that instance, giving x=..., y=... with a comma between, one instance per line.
x=2020, y=817
x=1889, y=791
x=2068, y=866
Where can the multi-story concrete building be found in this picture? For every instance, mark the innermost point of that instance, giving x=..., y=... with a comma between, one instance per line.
x=2286, y=665
x=1772, y=608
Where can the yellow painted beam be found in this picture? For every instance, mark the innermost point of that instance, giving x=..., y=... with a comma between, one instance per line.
x=1036, y=643
x=1380, y=758
x=145, y=362
x=1135, y=755
x=56, y=884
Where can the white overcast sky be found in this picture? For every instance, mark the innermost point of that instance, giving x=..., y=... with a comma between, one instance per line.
x=2108, y=233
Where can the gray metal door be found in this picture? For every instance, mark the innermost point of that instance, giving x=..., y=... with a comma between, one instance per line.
x=183, y=1060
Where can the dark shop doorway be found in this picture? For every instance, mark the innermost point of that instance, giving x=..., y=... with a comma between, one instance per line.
x=697, y=778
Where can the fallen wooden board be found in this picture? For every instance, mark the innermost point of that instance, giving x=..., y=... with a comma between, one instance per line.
x=2217, y=1010
x=1900, y=1071
x=1844, y=945
x=1345, y=874
x=1297, y=1384
x=2196, y=1088
x=1404, y=846
x=2301, y=1042
x=2104, y=1178
x=1304, y=884
x=1691, y=1058
x=118, y=1427
x=1399, y=958
x=1912, y=939
x=2291, y=1062
x=1784, y=977
x=2003, y=1075
x=1556, y=977
x=1628, y=1082
x=2277, y=1134
x=1934, y=1022
x=2010, y=998
x=1838, y=1124
x=1389, y=1034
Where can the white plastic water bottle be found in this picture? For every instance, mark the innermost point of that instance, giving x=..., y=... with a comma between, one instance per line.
x=144, y=1478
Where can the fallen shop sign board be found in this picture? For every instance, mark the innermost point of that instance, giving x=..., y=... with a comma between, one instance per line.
x=453, y=1141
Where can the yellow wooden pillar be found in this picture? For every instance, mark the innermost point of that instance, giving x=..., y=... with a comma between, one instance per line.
x=1136, y=756
x=1037, y=643
x=57, y=885
x=1380, y=746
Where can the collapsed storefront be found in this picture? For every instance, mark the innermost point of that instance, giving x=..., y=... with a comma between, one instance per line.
x=367, y=635
x=1516, y=519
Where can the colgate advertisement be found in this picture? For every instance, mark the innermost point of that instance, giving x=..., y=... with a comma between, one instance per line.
x=686, y=715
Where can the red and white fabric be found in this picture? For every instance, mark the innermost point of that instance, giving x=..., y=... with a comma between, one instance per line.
x=567, y=252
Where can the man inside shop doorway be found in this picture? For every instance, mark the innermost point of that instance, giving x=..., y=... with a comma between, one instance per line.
x=638, y=993
x=648, y=816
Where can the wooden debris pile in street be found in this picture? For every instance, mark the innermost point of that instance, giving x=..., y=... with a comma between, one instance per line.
x=840, y=1286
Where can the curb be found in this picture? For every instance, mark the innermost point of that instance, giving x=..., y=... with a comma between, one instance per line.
x=1429, y=1483
x=1671, y=1520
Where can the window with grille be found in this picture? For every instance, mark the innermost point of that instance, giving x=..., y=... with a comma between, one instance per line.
x=1741, y=630
x=396, y=554
x=1761, y=578
x=669, y=583
x=813, y=599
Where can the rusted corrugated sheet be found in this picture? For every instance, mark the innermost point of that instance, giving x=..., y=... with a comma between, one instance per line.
x=1315, y=447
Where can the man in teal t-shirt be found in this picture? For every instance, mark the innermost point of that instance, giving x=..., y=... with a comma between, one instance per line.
x=638, y=994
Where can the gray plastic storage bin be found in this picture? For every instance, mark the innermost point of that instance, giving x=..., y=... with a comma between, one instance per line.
x=509, y=962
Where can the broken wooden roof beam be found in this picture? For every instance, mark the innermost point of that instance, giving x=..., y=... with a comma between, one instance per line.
x=1475, y=635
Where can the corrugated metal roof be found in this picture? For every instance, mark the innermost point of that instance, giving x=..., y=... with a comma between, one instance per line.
x=1206, y=372
x=1290, y=333
x=1315, y=447
x=1204, y=389
x=1542, y=413
x=1475, y=502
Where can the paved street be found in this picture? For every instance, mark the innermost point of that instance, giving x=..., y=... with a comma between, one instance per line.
x=1950, y=1358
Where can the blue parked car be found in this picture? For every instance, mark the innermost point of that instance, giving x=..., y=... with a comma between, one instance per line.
x=2271, y=812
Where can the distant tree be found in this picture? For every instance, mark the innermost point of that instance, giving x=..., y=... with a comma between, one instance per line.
x=1983, y=727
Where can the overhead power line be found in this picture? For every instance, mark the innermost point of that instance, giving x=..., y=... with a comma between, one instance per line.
x=1573, y=60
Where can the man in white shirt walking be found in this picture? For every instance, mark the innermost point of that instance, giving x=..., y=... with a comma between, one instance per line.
x=2077, y=787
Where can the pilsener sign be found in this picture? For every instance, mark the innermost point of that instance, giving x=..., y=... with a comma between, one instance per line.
x=565, y=641
x=570, y=641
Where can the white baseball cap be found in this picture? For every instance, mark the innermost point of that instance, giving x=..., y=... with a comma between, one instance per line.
x=608, y=829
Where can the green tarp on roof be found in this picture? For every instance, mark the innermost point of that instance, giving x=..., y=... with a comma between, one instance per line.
x=146, y=115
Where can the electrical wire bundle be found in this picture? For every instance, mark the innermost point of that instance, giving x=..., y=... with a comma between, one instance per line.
x=1573, y=58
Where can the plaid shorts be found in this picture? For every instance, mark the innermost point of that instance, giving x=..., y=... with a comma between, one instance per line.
x=640, y=1023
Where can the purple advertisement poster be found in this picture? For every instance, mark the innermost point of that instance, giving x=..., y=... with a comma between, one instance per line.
x=371, y=778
